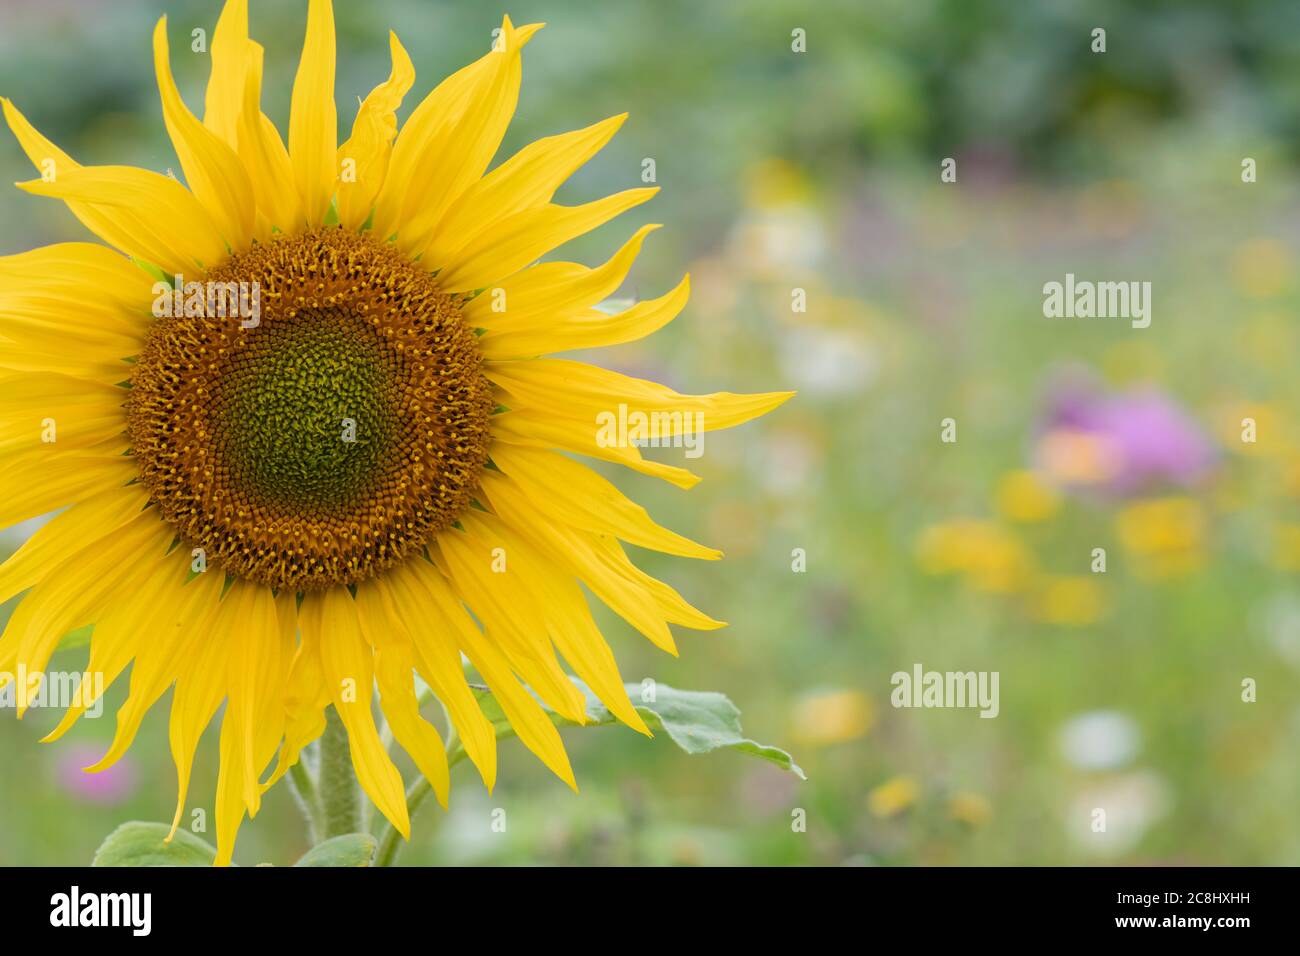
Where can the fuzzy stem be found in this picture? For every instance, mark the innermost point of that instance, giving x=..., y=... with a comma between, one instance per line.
x=338, y=792
x=302, y=783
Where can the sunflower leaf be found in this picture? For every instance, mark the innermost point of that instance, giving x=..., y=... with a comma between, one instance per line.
x=141, y=844
x=351, y=849
x=696, y=721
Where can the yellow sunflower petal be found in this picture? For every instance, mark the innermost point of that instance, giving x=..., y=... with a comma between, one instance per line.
x=264, y=156
x=84, y=415
x=51, y=162
x=512, y=243
x=199, y=668
x=348, y=665
x=390, y=599
x=145, y=214
x=175, y=645
x=672, y=605
x=271, y=727
x=566, y=491
x=528, y=720
x=313, y=119
x=584, y=647
x=75, y=591
x=45, y=327
x=527, y=179
x=48, y=159
x=563, y=544
x=449, y=139
x=597, y=568
x=395, y=661
x=595, y=329
x=67, y=310
x=22, y=356
x=134, y=217
x=537, y=297
x=232, y=782
x=212, y=168
x=68, y=533
x=199, y=688
x=230, y=63
x=142, y=609
x=511, y=617
x=258, y=652
x=306, y=696
x=395, y=672
x=371, y=142
x=538, y=430
x=269, y=717
x=41, y=482
x=569, y=622
x=68, y=269
x=135, y=234
x=578, y=390
x=258, y=661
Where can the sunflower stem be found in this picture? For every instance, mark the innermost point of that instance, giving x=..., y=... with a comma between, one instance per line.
x=390, y=842
x=337, y=788
x=303, y=786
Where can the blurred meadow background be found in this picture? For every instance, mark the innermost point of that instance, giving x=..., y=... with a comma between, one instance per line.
x=820, y=171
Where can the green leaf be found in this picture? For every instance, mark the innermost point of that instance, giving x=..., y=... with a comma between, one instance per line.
x=155, y=271
x=141, y=844
x=697, y=721
x=351, y=849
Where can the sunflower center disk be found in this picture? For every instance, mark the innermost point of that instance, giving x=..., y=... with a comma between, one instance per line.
x=331, y=439
x=307, y=411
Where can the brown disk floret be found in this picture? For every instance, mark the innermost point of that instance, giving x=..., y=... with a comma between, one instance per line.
x=330, y=439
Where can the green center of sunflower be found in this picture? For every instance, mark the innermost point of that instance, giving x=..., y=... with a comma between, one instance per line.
x=307, y=416
x=328, y=437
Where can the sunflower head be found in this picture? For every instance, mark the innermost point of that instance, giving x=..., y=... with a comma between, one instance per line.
x=371, y=452
x=332, y=437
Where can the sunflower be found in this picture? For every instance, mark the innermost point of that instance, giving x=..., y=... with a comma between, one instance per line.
x=369, y=476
